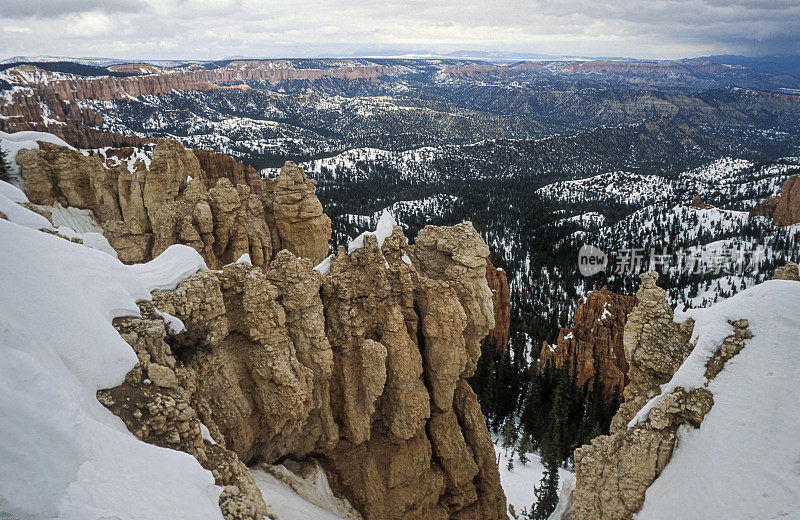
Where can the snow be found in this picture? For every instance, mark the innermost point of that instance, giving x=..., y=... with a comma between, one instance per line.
x=518, y=483
x=170, y=268
x=27, y=140
x=324, y=267
x=386, y=224
x=65, y=455
x=564, y=497
x=309, y=500
x=80, y=220
x=206, y=434
x=22, y=216
x=174, y=324
x=244, y=259
x=744, y=460
x=12, y=193
x=383, y=230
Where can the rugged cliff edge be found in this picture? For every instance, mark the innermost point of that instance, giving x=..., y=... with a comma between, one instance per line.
x=361, y=370
x=593, y=344
x=614, y=472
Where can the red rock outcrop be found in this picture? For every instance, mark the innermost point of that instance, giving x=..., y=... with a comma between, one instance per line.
x=594, y=343
x=783, y=209
x=501, y=300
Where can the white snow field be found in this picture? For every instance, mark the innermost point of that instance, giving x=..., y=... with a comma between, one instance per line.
x=518, y=482
x=744, y=460
x=62, y=454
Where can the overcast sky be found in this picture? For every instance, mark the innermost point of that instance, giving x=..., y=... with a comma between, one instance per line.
x=203, y=29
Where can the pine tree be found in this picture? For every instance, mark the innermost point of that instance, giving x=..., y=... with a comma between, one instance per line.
x=547, y=492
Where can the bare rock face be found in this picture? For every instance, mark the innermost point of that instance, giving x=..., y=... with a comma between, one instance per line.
x=362, y=370
x=501, y=300
x=222, y=212
x=787, y=272
x=784, y=209
x=594, y=343
x=302, y=226
x=614, y=471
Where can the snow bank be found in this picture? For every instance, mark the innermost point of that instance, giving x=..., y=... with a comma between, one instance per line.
x=63, y=454
x=744, y=460
x=22, y=216
x=383, y=230
x=285, y=503
x=27, y=140
x=12, y=193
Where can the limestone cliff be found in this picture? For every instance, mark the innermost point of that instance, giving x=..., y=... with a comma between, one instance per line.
x=593, y=345
x=362, y=370
x=614, y=471
x=214, y=210
x=501, y=299
x=783, y=209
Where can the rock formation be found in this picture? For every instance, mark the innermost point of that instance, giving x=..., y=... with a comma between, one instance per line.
x=501, y=299
x=787, y=272
x=783, y=209
x=362, y=370
x=215, y=211
x=593, y=345
x=614, y=471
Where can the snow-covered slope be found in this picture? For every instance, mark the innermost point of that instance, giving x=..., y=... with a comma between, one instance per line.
x=744, y=460
x=63, y=455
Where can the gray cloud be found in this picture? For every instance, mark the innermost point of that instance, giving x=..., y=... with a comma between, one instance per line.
x=16, y=9
x=219, y=28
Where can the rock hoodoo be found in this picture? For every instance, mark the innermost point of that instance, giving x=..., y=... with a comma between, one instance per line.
x=594, y=343
x=142, y=212
x=365, y=376
x=614, y=471
x=501, y=299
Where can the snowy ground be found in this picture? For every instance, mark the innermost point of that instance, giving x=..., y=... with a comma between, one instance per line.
x=518, y=482
x=63, y=454
x=744, y=460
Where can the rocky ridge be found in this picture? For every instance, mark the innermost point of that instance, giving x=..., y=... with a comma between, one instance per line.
x=614, y=471
x=594, y=344
x=178, y=201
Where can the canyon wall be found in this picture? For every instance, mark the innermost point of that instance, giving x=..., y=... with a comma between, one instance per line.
x=593, y=345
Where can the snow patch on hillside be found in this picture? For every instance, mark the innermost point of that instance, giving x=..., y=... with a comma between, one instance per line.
x=65, y=455
x=743, y=460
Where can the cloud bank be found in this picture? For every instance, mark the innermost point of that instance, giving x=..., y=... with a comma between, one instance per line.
x=205, y=29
